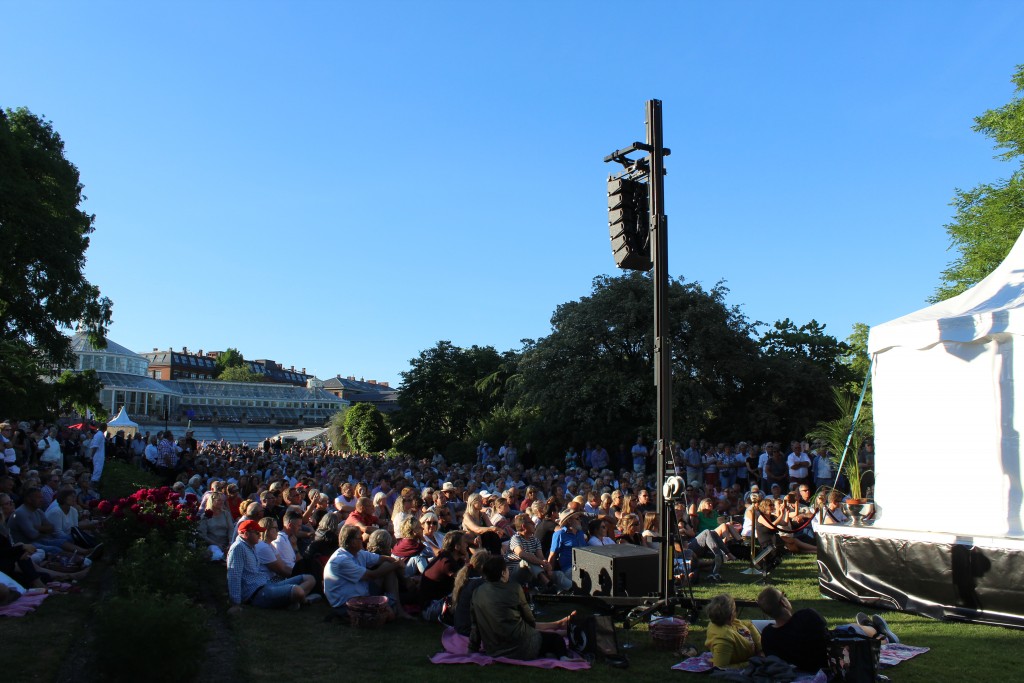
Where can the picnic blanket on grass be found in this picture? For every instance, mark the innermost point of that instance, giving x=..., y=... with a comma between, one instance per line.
x=892, y=654
x=23, y=605
x=455, y=647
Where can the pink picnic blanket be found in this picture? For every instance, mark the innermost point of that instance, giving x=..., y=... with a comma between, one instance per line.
x=891, y=655
x=23, y=605
x=455, y=652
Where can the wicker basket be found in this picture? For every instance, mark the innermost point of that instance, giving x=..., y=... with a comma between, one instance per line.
x=669, y=633
x=368, y=612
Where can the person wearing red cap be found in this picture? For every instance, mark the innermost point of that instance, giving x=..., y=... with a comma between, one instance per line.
x=250, y=582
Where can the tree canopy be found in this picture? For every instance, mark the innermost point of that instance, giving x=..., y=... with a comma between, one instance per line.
x=365, y=429
x=591, y=378
x=239, y=373
x=439, y=400
x=230, y=358
x=989, y=217
x=43, y=291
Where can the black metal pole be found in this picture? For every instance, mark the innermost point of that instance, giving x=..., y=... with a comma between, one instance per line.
x=662, y=348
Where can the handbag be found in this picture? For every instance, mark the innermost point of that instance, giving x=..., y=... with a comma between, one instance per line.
x=853, y=657
x=593, y=634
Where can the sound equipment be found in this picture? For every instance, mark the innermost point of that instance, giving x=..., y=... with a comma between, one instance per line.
x=616, y=570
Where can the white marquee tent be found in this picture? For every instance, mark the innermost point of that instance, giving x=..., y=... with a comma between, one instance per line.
x=122, y=422
x=948, y=412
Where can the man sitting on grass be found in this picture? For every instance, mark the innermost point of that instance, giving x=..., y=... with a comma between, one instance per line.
x=353, y=572
x=249, y=581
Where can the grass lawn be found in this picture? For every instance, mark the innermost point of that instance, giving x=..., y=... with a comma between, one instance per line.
x=257, y=645
x=276, y=645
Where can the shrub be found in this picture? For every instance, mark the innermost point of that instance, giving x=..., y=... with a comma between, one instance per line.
x=151, y=637
x=155, y=565
x=157, y=510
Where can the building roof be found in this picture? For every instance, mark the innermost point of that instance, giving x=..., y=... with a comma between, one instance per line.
x=80, y=344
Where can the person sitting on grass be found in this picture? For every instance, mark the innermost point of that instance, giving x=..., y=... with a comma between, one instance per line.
x=29, y=525
x=732, y=642
x=801, y=637
x=364, y=518
x=467, y=580
x=502, y=623
x=249, y=581
x=525, y=555
x=354, y=572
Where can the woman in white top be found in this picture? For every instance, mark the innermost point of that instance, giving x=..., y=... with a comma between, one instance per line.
x=598, y=531
x=266, y=553
x=432, y=536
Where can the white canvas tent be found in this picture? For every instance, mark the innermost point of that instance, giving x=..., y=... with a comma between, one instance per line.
x=122, y=422
x=948, y=412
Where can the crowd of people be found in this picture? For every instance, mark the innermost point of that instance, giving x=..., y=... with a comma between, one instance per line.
x=294, y=524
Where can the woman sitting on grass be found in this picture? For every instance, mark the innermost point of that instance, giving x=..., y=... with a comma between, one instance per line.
x=732, y=641
x=504, y=625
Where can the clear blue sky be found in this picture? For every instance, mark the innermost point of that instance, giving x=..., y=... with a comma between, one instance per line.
x=339, y=185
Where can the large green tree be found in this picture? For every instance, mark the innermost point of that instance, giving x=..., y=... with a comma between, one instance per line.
x=990, y=217
x=446, y=391
x=799, y=366
x=43, y=291
x=365, y=429
x=230, y=358
x=592, y=377
x=238, y=373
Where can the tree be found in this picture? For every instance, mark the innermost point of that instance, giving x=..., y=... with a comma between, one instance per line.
x=336, y=430
x=799, y=368
x=592, y=377
x=990, y=217
x=43, y=291
x=231, y=358
x=439, y=398
x=238, y=373
x=365, y=429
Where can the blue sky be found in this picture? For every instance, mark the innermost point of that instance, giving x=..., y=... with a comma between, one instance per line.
x=340, y=185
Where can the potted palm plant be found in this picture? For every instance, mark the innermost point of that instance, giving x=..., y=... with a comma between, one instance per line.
x=844, y=436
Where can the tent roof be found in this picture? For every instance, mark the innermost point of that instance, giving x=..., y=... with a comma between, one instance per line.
x=122, y=420
x=993, y=306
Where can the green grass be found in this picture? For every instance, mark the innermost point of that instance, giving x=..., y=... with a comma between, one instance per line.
x=121, y=479
x=261, y=645
x=400, y=650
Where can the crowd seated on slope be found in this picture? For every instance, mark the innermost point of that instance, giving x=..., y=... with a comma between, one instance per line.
x=419, y=520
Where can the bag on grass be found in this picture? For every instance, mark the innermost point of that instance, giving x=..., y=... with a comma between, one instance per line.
x=593, y=634
x=853, y=657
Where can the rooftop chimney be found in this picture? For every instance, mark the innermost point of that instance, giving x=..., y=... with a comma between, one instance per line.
x=351, y=378
x=385, y=384
x=184, y=349
x=372, y=381
x=303, y=371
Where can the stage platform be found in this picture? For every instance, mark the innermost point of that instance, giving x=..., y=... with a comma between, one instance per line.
x=939, y=575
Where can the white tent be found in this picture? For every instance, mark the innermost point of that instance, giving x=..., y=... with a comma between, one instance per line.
x=122, y=422
x=947, y=411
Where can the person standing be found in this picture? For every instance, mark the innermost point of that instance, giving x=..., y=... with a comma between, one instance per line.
x=639, y=453
x=97, y=453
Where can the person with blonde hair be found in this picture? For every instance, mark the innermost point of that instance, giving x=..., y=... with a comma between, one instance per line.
x=732, y=642
x=215, y=526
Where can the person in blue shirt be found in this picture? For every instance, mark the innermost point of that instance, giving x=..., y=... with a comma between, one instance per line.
x=567, y=536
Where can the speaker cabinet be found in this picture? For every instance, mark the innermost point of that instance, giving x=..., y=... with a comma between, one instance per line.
x=615, y=570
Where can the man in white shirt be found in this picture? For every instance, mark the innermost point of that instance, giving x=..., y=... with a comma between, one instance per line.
x=799, y=465
x=283, y=544
x=49, y=448
x=97, y=453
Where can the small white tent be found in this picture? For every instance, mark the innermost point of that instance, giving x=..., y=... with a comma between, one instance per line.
x=122, y=422
x=948, y=412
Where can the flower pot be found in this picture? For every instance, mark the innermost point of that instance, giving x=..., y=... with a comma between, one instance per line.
x=858, y=509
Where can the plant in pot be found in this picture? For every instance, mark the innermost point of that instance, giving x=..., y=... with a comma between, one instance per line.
x=843, y=436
